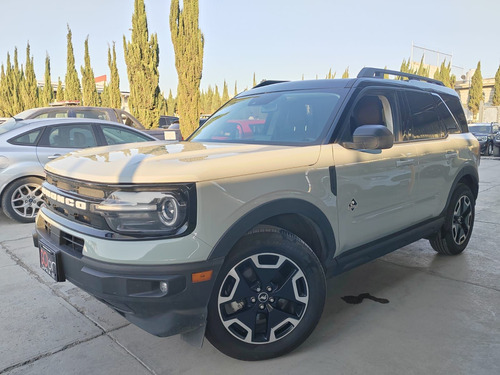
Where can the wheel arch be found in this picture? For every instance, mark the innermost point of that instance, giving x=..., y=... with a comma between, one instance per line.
x=299, y=217
x=468, y=176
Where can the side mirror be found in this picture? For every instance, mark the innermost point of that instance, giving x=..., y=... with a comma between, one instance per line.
x=372, y=137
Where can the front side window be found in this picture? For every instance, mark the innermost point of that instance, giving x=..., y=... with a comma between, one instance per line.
x=297, y=117
x=372, y=107
x=69, y=136
x=115, y=135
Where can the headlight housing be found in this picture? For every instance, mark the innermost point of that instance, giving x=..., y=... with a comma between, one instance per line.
x=497, y=137
x=149, y=213
x=482, y=138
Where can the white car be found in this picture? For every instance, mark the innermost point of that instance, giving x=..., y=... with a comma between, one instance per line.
x=25, y=147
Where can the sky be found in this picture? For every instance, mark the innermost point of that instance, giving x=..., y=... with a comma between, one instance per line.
x=273, y=39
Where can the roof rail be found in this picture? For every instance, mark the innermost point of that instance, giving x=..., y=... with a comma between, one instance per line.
x=267, y=83
x=379, y=73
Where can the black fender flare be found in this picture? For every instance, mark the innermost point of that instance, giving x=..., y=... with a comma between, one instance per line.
x=268, y=210
x=467, y=170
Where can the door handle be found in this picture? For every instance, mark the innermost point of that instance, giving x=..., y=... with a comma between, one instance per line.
x=404, y=162
x=55, y=156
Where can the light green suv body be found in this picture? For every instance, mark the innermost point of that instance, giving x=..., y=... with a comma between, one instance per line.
x=286, y=184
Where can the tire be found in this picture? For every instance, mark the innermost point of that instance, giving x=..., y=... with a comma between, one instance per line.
x=268, y=297
x=496, y=151
x=455, y=234
x=489, y=149
x=22, y=199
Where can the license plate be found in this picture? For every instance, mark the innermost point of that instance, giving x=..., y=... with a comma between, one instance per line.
x=50, y=262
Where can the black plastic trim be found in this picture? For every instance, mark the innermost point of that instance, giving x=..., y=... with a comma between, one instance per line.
x=269, y=210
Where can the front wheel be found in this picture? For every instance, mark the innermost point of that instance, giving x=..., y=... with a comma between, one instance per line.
x=268, y=297
x=455, y=234
x=22, y=199
x=489, y=149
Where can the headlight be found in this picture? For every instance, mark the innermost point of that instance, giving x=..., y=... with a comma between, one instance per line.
x=497, y=137
x=482, y=138
x=148, y=213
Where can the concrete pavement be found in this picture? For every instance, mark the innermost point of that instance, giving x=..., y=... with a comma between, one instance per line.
x=441, y=316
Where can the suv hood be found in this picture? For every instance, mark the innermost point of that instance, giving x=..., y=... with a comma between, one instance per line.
x=159, y=162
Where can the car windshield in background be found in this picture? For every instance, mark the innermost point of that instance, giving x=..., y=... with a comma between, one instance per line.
x=479, y=128
x=297, y=117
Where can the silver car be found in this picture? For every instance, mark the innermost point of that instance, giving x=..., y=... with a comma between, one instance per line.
x=25, y=147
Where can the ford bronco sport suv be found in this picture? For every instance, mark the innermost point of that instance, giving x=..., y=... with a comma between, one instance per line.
x=233, y=233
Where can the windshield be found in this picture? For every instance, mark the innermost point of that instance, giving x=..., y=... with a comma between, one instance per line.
x=11, y=124
x=480, y=128
x=297, y=117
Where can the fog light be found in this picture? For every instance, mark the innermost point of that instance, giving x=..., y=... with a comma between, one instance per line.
x=164, y=286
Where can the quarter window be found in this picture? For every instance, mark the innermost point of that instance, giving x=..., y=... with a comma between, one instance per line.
x=26, y=139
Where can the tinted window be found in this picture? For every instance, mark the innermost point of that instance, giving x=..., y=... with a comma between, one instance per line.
x=117, y=135
x=92, y=113
x=424, y=119
x=455, y=107
x=445, y=116
x=297, y=117
x=63, y=113
x=69, y=136
x=26, y=139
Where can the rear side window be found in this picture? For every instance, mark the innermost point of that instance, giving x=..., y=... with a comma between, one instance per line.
x=424, y=121
x=63, y=113
x=69, y=136
x=26, y=139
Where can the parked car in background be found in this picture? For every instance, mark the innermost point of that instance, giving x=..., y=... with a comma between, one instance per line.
x=496, y=144
x=485, y=134
x=166, y=121
x=101, y=113
x=25, y=147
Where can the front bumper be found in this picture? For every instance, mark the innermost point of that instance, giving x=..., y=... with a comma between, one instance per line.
x=134, y=290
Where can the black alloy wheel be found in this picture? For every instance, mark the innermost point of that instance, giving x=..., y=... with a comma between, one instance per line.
x=268, y=297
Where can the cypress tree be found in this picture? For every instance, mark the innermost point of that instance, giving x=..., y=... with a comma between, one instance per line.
x=60, y=91
x=142, y=58
x=235, y=88
x=72, y=90
x=14, y=77
x=89, y=93
x=29, y=87
x=254, y=80
x=496, y=93
x=209, y=101
x=171, y=104
x=476, y=91
x=225, y=93
x=188, y=42
x=115, y=97
x=346, y=73
x=47, y=94
x=3, y=93
x=105, y=96
x=216, y=100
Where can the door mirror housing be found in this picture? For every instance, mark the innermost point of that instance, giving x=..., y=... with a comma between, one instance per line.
x=371, y=137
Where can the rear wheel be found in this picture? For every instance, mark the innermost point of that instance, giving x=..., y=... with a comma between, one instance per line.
x=22, y=199
x=489, y=149
x=455, y=234
x=268, y=297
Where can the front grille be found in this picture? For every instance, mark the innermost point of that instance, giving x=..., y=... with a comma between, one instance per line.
x=57, y=237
